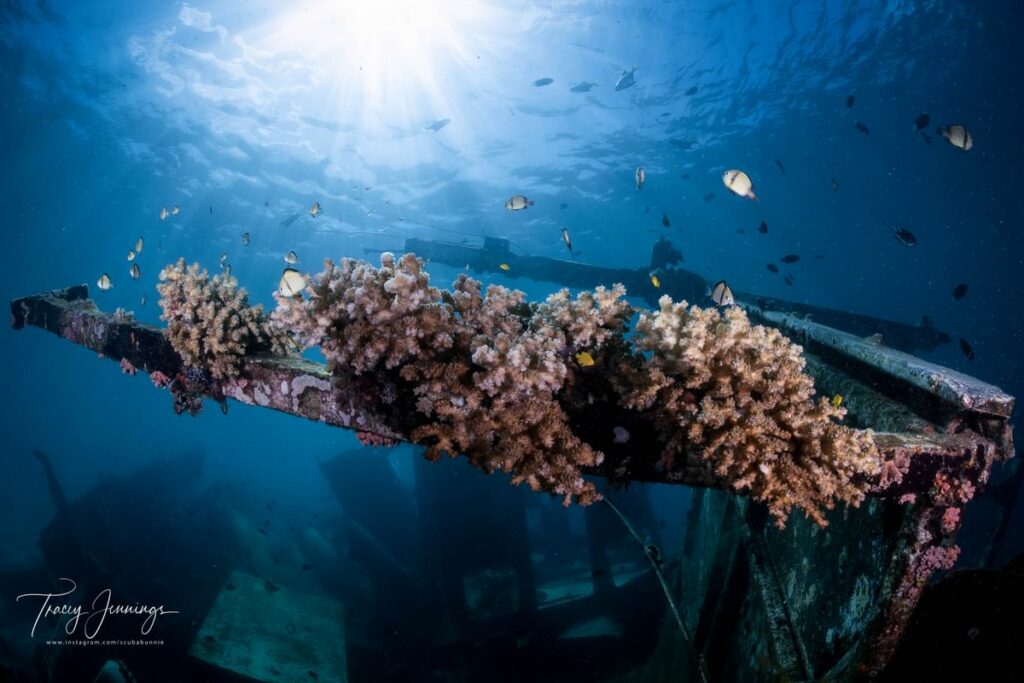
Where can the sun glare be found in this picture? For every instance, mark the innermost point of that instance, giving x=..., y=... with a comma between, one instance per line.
x=384, y=49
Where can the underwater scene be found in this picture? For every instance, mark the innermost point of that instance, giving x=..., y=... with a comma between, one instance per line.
x=481, y=340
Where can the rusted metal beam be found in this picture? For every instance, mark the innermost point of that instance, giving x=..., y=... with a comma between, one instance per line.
x=959, y=391
x=306, y=389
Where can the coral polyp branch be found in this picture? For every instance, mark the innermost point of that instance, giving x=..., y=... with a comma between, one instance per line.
x=737, y=395
x=210, y=323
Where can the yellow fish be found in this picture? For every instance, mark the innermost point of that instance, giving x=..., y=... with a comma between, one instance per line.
x=505, y=266
x=584, y=359
x=655, y=281
x=837, y=400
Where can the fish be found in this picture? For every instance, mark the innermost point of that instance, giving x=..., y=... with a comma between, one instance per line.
x=655, y=280
x=292, y=283
x=692, y=90
x=131, y=254
x=104, y=283
x=958, y=136
x=778, y=162
x=626, y=80
x=763, y=228
x=291, y=258
x=862, y=128
x=721, y=294
x=772, y=268
x=835, y=185
x=640, y=176
x=850, y=99
x=665, y=221
x=837, y=401
x=922, y=121
x=437, y=125
x=138, y=245
x=142, y=300
x=505, y=266
x=583, y=86
x=245, y=239
x=567, y=239
x=211, y=209
x=620, y=434
x=960, y=291
x=314, y=210
x=708, y=197
x=518, y=202
x=788, y=279
x=739, y=183
x=904, y=236
x=966, y=348
x=135, y=271
x=541, y=82
x=585, y=359
x=223, y=258
x=790, y=258
x=175, y=210
x=164, y=213
x=226, y=271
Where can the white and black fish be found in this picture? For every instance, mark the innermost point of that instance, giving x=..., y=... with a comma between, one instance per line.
x=518, y=203
x=291, y=258
x=104, y=283
x=739, y=183
x=314, y=210
x=245, y=239
x=721, y=294
x=958, y=136
x=626, y=80
x=567, y=240
x=135, y=271
x=640, y=176
x=292, y=283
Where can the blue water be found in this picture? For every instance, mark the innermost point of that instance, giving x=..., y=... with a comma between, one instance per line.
x=244, y=114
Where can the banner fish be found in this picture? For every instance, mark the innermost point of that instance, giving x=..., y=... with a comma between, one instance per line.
x=104, y=283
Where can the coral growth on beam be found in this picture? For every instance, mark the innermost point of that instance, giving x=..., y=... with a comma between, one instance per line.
x=488, y=375
x=210, y=323
x=737, y=394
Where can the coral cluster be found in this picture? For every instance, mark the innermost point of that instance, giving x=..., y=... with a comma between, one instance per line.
x=494, y=397
x=736, y=394
x=363, y=317
x=210, y=323
x=485, y=369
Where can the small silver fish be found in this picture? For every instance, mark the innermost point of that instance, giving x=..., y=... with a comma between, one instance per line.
x=135, y=271
x=292, y=283
x=567, y=240
x=626, y=80
x=518, y=203
x=131, y=254
x=175, y=210
x=314, y=210
x=640, y=176
x=138, y=245
x=291, y=258
x=142, y=300
x=721, y=294
x=245, y=239
x=164, y=213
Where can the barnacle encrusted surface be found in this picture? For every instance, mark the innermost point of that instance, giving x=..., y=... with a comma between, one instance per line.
x=210, y=323
x=736, y=394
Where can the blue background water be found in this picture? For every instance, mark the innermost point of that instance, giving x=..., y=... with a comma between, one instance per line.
x=111, y=111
